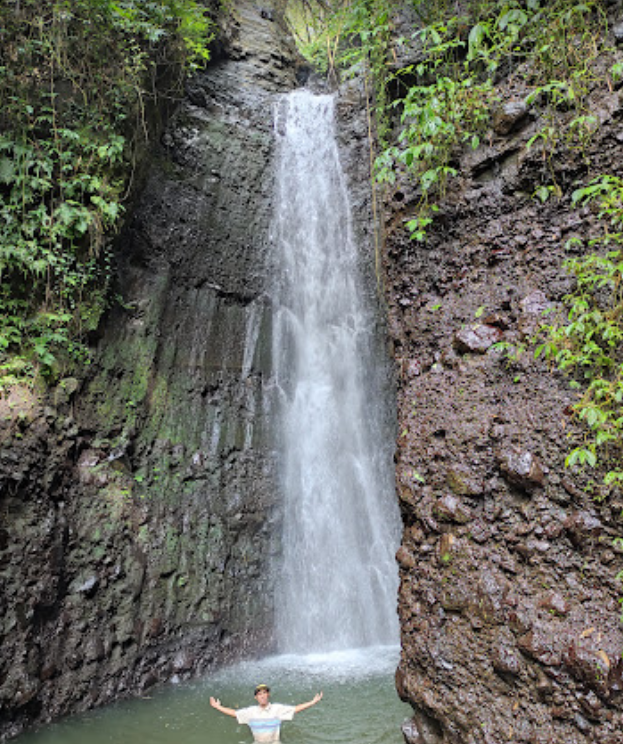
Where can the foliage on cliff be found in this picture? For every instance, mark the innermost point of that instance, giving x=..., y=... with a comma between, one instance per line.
x=444, y=95
x=585, y=338
x=76, y=80
x=456, y=60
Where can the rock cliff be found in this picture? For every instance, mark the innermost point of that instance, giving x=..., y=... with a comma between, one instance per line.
x=509, y=601
x=139, y=510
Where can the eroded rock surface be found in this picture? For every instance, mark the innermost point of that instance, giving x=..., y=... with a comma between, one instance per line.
x=509, y=601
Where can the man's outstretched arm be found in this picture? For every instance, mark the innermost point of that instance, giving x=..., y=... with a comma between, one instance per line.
x=303, y=706
x=217, y=704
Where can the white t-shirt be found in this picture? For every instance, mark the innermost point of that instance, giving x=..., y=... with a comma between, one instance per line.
x=265, y=722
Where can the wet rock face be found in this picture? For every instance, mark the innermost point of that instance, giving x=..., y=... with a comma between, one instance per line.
x=510, y=117
x=139, y=506
x=509, y=601
x=477, y=339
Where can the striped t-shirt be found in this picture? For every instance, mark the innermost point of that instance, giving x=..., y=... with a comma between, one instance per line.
x=265, y=722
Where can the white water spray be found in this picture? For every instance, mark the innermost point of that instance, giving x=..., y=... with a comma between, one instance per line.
x=337, y=588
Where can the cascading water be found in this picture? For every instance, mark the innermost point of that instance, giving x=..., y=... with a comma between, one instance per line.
x=337, y=588
x=337, y=591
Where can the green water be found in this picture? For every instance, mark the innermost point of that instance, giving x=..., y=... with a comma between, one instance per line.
x=360, y=705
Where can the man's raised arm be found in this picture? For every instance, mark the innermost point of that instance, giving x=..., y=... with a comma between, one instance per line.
x=215, y=703
x=303, y=706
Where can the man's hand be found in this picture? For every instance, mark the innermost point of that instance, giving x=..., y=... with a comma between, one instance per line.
x=303, y=706
x=216, y=703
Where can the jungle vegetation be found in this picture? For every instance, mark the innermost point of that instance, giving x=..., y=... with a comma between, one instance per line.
x=78, y=80
x=439, y=100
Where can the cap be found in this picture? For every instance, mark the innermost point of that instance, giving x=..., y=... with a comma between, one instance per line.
x=261, y=687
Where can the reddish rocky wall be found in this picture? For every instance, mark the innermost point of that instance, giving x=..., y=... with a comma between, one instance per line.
x=509, y=602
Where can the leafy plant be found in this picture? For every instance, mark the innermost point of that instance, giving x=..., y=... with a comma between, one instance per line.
x=75, y=81
x=449, y=106
x=586, y=341
x=443, y=102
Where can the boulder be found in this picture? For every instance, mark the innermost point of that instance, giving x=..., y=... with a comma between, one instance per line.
x=450, y=509
x=510, y=117
x=477, y=339
x=522, y=469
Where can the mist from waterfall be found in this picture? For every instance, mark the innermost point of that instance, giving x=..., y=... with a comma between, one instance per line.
x=337, y=584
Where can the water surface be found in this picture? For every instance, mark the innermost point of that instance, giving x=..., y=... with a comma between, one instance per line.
x=359, y=705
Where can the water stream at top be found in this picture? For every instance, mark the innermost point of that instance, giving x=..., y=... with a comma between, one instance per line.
x=337, y=585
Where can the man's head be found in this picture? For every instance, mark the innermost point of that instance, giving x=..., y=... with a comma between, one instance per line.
x=262, y=694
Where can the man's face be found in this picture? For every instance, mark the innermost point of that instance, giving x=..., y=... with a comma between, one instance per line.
x=262, y=697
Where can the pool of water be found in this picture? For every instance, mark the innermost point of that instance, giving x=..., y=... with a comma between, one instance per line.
x=360, y=705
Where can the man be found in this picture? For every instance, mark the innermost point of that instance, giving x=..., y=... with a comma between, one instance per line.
x=264, y=719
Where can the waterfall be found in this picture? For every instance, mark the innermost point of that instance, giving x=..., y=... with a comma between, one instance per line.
x=338, y=582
